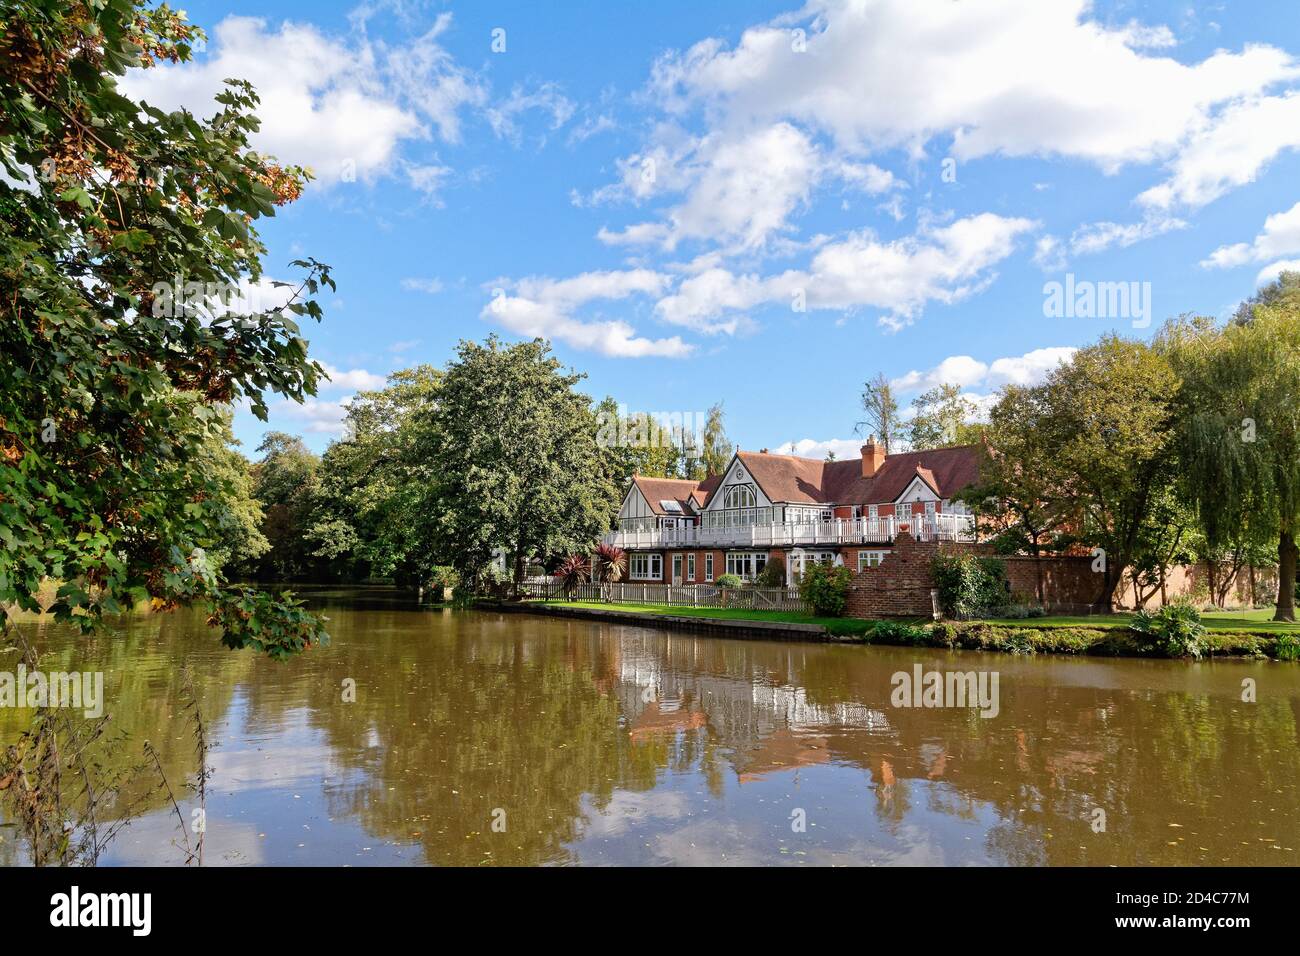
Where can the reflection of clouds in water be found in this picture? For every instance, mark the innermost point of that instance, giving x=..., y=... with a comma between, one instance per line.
x=148, y=841
x=626, y=809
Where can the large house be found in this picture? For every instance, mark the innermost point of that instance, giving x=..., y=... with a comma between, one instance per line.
x=800, y=510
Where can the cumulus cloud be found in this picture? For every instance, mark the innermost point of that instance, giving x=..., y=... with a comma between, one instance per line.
x=341, y=105
x=1279, y=237
x=966, y=371
x=944, y=264
x=356, y=379
x=843, y=448
x=1011, y=77
x=540, y=306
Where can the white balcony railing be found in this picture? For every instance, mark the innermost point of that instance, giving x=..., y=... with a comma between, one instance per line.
x=936, y=527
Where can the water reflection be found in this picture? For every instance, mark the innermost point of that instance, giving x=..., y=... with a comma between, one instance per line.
x=609, y=744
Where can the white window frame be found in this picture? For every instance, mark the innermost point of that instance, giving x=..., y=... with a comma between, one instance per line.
x=690, y=568
x=708, y=566
x=870, y=559
x=645, y=566
x=747, y=565
x=873, y=511
x=929, y=509
x=904, y=511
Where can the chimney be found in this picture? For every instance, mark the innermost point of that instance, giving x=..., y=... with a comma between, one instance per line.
x=873, y=456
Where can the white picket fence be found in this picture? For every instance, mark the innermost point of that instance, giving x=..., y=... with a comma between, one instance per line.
x=674, y=595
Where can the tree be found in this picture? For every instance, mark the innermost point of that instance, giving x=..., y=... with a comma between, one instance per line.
x=1017, y=500
x=124, y=231
x=1240, y=428
x=881, y=411
x=940, y=418
x=1097, y=439
x=518, y=458
x=240, y=541
x=376, y=501
x=285, y=481
x=717, y=448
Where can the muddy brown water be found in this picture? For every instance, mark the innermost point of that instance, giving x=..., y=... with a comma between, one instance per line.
x=478, y=738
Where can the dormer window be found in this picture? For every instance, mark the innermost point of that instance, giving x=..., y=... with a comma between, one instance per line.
x=739, y=496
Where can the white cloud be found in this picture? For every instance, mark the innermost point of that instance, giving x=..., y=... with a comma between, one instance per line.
x=1228, y=152
x=1271, y=272
x=1098, y=236
x=544, y=307
x=1015, y=77
x=942, y=264
x=546, y=98
x=966, y=371
x=340, y=105
x=430, y=286
x=844, y=448
x=313, y=415
x=1279, y=237
x=356, y=379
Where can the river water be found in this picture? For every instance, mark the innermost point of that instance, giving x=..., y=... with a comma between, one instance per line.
x=487, y=739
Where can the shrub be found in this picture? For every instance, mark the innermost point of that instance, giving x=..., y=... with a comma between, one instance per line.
x=824, y=588
x=1287, y=648
x=969, y=585
x=1175, y=630
x=898, y=632
x=729, y=581
x=772, y=575
x=443, y=578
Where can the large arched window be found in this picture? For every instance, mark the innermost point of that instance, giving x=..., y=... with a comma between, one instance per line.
x=739, y=496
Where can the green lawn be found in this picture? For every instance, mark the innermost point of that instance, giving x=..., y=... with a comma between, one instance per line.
x=1256, y=621
x=836, y=625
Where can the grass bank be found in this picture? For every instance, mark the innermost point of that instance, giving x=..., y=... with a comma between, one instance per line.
x=1247, y=634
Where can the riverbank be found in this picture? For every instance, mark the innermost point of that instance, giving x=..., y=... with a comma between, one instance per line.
x=1107, y=635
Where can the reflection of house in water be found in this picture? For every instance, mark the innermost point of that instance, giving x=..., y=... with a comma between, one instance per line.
x=764, y=724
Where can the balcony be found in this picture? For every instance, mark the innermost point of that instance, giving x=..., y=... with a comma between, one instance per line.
x=857, y=531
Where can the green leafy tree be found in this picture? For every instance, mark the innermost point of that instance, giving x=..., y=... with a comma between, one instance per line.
x=1240, y=428
x=240, y=542
x=124, y=230
x=718, y=449
x=376, y=498
x=285, y=481
x=520, y=465
x=940, y=417
x=1098, y=436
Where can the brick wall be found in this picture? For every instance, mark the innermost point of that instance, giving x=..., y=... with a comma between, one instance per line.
x=900, y=585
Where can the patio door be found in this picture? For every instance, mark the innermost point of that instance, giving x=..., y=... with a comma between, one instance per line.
x=677, y=569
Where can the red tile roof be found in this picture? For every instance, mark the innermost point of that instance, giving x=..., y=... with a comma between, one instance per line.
x=789, y=478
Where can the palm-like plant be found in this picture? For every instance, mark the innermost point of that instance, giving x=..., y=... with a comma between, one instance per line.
x=573, y=571
x=611, y=566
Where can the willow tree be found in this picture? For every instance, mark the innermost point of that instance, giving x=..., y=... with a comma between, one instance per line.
x=1240, y=430
x=124, y=233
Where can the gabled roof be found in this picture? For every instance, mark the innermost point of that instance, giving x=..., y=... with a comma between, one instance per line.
x=796, y=480
x=658, y=490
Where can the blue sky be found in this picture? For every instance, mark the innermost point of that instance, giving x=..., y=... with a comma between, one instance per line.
x=657, y=187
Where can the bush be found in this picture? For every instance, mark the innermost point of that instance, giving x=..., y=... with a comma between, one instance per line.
x=1287, y=648
x=898, y=632
x=969, y=585
x=824, y=588
x=443, y=578
x=1175, y=630
x=729, y=581
x=772, y=575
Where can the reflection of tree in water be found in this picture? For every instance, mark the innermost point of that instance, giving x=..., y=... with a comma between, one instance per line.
x=140, y=656
x=458, y=715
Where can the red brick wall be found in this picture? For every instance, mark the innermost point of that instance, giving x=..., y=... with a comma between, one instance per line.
x=899, y=586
